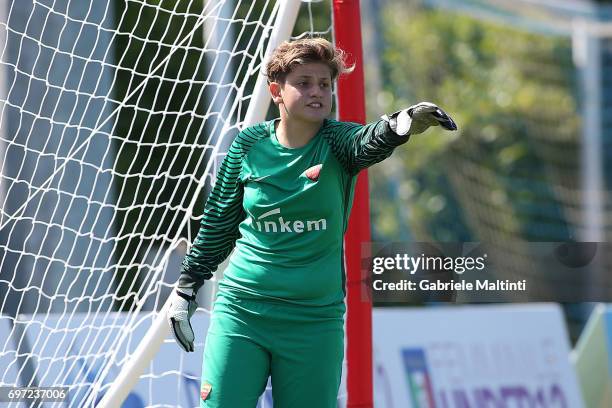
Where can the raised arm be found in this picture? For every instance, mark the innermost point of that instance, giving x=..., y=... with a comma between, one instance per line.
x=357, y=146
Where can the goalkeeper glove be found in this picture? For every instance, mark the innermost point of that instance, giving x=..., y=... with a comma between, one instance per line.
x=182, y=306
x=417, y=118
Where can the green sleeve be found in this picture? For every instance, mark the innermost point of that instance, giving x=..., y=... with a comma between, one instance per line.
x=218, y=231
x=357, y=146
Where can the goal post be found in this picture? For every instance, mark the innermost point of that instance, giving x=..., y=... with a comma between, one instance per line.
x=351, y=107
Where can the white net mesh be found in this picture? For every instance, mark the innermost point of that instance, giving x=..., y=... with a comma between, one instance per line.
x=114, y=117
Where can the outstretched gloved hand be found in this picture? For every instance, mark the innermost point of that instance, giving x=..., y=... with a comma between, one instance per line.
x=182, y=306
x=418, y=118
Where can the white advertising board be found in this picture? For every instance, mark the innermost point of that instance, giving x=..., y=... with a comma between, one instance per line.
x=508, y=356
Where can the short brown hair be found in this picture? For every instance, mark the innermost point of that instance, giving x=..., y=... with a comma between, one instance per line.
x=299, y=52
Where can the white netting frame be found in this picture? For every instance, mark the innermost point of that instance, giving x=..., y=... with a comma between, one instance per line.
x=103, y=127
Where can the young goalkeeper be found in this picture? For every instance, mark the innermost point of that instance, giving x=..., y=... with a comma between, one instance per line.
x=282, y=198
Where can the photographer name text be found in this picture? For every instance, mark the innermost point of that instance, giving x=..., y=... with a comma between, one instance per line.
x=427, y=285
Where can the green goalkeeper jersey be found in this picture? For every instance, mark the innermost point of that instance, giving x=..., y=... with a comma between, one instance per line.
x=285, y=210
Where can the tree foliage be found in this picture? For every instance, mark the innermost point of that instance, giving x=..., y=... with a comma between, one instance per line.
x=512, y=95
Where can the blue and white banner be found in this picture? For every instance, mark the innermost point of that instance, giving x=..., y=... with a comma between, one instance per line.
x=473, y=357
x=507, y=356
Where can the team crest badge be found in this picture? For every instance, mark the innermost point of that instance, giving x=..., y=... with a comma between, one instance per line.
x=313, y=172
x=206, y=388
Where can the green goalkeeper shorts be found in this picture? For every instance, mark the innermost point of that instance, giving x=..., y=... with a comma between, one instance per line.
x=300, y=347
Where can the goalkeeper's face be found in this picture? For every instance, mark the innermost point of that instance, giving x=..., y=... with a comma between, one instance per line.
x=306, y=94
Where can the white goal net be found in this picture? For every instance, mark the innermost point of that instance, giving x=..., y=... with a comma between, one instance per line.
x=113, y=117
